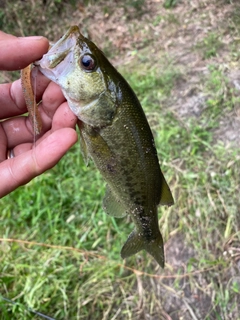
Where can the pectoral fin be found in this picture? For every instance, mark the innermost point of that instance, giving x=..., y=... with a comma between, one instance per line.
x=112, y=206
x=83, y=146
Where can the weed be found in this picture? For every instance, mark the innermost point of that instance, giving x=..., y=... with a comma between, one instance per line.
x=172, y=19
x=221, y=96
x=137, y=4
x=157, y=20
x=235, y=18
x=170, y=3
x=153, y=84
x=35, y=17
x=210, y=45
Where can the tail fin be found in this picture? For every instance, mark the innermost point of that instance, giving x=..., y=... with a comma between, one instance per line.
x=136, y=243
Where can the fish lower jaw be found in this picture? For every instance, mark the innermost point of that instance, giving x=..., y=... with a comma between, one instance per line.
x=83, y=109
x=74, y=105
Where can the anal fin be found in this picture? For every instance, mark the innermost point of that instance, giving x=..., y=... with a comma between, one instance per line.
x=133, y=245
x=113, y=206
x=166, y=195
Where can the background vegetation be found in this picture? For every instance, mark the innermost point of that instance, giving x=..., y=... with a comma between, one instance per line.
x=59, y=252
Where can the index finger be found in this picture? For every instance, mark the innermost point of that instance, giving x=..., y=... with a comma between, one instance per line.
x=17, y=53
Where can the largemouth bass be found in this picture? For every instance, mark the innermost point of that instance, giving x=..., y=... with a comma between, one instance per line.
x=115, y=133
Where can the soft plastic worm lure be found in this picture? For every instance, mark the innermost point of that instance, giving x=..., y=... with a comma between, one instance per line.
x=30, y=100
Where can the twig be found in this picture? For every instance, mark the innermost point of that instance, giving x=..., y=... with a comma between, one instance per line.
x=190, y=309
x=87, y=253
x=28, y=309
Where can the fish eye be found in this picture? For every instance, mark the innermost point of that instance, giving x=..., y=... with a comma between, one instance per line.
x=87, y=62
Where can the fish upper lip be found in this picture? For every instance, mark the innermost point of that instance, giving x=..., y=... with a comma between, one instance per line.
x=72, y=33
x=37, y=63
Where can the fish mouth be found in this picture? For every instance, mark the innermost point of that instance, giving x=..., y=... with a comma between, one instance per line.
x=59, y=50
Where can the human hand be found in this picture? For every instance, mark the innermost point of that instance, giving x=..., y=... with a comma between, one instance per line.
x=16, y=133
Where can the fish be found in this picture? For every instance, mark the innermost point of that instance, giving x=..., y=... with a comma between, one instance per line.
x=115, y=134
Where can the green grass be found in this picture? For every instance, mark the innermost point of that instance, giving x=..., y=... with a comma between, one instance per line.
x=153, y=86
x=170, y=3
x=65, y=259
